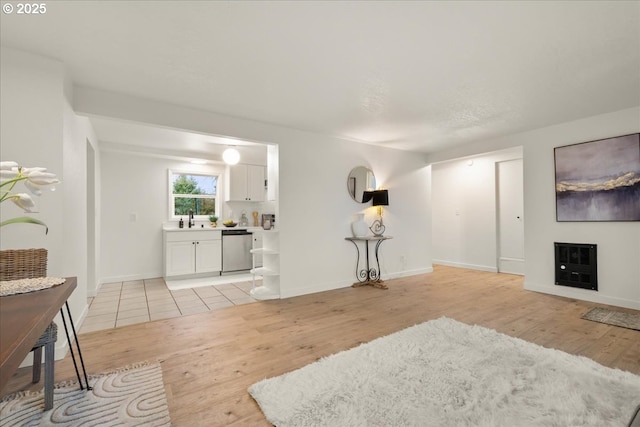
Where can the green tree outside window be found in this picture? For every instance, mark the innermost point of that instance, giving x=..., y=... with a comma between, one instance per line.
x=194, y=192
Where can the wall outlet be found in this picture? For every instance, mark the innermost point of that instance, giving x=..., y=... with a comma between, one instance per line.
x=403, y=262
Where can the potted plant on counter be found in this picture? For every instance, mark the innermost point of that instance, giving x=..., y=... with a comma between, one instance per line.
x=214, y=221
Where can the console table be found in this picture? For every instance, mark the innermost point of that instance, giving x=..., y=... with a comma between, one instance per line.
x=23, y=319
x=368, y=276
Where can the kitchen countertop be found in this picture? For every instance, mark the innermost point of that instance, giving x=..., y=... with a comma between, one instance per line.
x=207, y=227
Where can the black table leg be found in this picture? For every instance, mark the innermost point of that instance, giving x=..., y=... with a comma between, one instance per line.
x=361, y=275
x=378, y=281
x=75, y=336
x=368, y=276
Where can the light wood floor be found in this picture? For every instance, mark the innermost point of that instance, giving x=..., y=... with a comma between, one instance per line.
x=210, y=359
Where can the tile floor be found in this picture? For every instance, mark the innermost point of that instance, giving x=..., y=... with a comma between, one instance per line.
x=126, y=303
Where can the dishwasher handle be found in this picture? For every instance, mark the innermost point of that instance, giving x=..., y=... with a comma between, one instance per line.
x=235, y=232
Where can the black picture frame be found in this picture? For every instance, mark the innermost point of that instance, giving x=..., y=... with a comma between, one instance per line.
x=598, y=180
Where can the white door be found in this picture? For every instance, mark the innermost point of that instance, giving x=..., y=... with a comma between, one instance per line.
x=510, y=217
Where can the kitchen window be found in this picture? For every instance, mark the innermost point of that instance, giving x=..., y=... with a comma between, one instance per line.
x=193, y=191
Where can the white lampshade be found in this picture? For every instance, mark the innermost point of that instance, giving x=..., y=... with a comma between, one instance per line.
x=231, y=156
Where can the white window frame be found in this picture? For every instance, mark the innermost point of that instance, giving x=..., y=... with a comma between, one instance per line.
x=171, y=196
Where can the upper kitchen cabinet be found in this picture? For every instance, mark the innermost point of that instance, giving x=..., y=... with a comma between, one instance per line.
x=245, y=183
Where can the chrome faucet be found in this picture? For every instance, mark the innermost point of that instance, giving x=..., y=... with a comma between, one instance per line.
x=191, y=220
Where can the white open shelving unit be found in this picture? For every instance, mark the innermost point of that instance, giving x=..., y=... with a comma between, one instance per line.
x=270, y=270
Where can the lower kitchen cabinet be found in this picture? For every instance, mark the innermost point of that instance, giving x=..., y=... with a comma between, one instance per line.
x=191, y=252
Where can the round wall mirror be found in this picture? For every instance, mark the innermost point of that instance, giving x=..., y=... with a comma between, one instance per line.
x=360, y=179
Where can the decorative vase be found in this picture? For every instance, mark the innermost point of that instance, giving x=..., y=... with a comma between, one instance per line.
x=359, y=228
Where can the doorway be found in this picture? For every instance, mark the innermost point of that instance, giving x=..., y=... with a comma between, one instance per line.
x=510, y=219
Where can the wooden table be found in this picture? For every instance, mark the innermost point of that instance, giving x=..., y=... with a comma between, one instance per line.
x=23, y=319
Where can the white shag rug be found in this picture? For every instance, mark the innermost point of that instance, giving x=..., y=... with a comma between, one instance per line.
x=447, y=373
x=131, y=396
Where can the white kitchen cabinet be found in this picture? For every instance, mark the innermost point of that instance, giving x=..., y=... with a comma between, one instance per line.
x=180, y=258
x=192, y=252
x=245, y=183
x=208, y=256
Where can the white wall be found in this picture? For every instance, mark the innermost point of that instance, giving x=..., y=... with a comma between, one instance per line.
x=618, y=242
x=74, y=222
x=32, y=135
x=93, y=196
x=38, y=128
x=136, y=185
x=316, y=212
x=314, y=207
x=464, y=210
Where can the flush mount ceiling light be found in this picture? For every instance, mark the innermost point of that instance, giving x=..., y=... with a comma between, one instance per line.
x=231, y=156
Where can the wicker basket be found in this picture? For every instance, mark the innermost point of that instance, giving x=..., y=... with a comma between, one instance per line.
x=23, y=264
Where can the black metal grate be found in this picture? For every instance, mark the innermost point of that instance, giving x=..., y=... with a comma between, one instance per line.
x=576, y=265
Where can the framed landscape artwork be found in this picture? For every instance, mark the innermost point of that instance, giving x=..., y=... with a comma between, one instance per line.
x=599, y=180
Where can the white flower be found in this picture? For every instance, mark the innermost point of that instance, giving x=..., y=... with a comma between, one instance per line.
x=24, y=201
x=33, y=188
x=7, y=174
x=34, y=179
x=29, y=171
x=37, y=179
x=8, y=165
x=41, y=178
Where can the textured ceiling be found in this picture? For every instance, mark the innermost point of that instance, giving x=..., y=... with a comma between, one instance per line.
x=413, y=75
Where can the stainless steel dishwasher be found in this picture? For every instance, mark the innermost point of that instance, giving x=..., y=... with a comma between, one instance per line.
x=236, y=250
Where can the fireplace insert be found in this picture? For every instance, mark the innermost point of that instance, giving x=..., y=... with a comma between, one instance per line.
x=576, y=265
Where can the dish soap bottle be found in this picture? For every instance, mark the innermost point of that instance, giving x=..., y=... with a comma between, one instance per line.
x=181, y=223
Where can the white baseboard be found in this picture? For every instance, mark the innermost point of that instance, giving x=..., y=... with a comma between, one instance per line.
x=581, y=294
x=511, y=266
x=327, y=286
x=408, y=273
x=491, y=269
x=128, y=278
x=320, y=287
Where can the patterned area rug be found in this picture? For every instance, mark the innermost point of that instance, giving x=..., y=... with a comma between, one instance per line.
x=615, y=318
x=129, y=396
x=447, y=373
